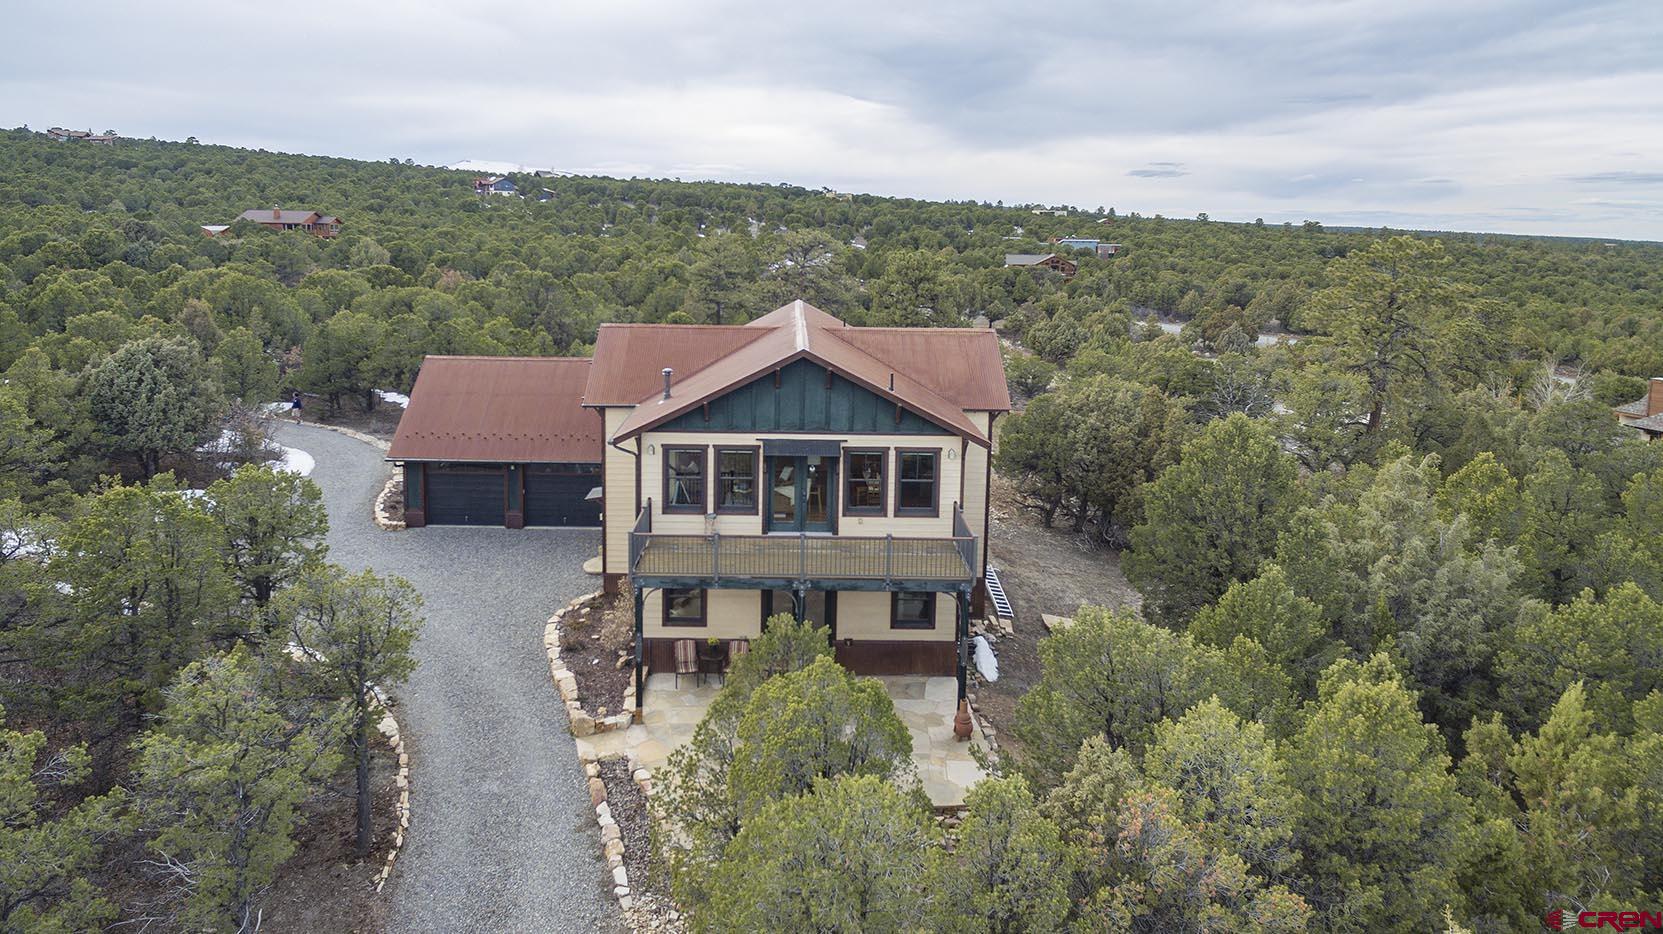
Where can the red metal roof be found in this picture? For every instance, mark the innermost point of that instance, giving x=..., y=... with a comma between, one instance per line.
x=499, y=409
x=634, y=355
x=912, y=364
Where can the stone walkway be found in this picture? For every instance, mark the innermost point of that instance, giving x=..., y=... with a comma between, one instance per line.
x=502, y=836
x=925, y=705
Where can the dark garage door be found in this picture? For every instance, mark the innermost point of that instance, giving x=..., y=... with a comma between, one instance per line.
x=555, y=494
x=464, y=495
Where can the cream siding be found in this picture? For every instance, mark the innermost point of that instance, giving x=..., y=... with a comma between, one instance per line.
x=864, y=615
x=619, y=479
x=729, y=614
x=975, y=487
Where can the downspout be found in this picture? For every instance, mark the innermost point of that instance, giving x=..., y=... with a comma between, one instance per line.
x=640, y=639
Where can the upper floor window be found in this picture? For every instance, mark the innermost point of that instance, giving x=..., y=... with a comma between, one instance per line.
x=684, y=479
x=916, y=482
x=863, y=482
x=736, y=480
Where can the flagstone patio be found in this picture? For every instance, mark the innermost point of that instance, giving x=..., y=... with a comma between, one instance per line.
x=926, y=705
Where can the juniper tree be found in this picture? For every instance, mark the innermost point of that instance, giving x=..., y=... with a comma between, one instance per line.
x=221, y=779
x=274, y=522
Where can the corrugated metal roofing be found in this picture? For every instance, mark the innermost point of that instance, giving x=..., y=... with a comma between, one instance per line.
x=499, y=409
x=799, y=331
x=635, y=355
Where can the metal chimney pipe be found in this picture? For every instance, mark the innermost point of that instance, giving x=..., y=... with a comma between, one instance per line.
x=667, y=374
x=891, y=382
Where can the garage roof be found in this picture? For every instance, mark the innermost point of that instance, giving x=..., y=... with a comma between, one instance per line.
x=499, y=409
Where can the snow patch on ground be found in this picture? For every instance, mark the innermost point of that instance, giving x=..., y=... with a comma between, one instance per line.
x=986, y=662
x=296, y=461
x=290, y=459
x=394, y=398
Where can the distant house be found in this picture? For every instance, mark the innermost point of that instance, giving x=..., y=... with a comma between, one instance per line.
x=1076, y=243
x=321, y=225
x=494, y=185
x=1645, y=414
x=1106, y=250
x=1049, y=261
x=62, y=135
x=214, y=230
x=1053, y=213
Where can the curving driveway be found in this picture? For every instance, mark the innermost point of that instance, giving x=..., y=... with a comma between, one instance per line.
x=502, y=835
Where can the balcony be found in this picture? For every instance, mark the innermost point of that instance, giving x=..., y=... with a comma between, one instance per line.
x=782, y=561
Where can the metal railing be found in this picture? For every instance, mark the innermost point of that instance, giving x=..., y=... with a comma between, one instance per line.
x=638, y=535
x=803, y=557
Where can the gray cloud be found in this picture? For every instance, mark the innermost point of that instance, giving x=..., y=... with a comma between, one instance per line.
x=1620, y=178
x=1509, y=115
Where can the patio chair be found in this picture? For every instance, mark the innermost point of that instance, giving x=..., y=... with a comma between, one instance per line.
x=736, y=648
x=687, y=659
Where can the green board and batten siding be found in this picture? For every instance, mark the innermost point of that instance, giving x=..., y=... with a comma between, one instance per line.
x=801, y=402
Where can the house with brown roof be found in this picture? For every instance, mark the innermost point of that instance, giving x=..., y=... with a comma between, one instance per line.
x=1645, y=414
x=1051, y=261
x=799, y=465
x=794, y=465
x=61, y=135
x=321, y=225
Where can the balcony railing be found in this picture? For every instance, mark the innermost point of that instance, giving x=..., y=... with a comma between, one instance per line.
x=890, y=559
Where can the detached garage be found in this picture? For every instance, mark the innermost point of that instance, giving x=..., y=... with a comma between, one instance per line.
x=500, y=441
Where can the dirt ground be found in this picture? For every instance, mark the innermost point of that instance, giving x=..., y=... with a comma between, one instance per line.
x=592, y=641
x=380, y=423
x=1043, y=570
x=323, y=887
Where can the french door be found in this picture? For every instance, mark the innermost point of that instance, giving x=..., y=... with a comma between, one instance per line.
x=800, y=494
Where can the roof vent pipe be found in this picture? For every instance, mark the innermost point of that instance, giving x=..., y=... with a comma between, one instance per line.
x=667, y=373
x=891, y=382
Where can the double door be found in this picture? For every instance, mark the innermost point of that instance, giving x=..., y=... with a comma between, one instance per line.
x=801, y=491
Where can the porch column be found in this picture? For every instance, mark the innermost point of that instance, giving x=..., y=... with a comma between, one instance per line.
x=964, y=725
x=640, y=648
x=963, y=641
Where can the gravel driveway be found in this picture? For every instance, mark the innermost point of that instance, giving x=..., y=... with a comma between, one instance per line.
x=502, y=836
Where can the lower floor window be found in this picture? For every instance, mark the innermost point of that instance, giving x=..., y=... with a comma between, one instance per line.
x=912, y=611
x=683, y=607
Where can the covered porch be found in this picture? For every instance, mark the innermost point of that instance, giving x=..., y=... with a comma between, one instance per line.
x=857, y=586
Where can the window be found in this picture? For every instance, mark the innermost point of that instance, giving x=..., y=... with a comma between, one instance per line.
x=684, y=479
x=912, y=611
x=916, y=484
x=683, y=607
x=736, y=480
x=863, y=483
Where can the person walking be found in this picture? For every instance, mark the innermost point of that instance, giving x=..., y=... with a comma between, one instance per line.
x=295, y=406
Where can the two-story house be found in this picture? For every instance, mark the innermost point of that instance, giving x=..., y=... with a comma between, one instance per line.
x=796, y=464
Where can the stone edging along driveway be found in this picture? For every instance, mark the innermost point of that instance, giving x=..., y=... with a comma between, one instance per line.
x=584, y=724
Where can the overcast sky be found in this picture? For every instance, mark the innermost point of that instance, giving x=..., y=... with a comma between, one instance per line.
x=1523, y=116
